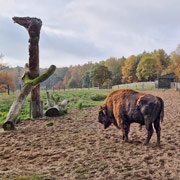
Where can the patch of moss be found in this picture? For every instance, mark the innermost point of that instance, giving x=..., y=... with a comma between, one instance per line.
x=50, y=123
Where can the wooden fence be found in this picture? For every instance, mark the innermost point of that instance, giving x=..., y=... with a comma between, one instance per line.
x=137, y=85
x=177, y=86
x=145, y=85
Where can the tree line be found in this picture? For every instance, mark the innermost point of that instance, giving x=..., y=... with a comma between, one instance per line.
x=147, y=66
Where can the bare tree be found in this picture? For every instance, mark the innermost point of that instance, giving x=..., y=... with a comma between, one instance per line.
x=33, y=26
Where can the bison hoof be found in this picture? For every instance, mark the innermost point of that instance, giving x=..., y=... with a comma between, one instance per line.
x=146, y=143
x=125, y=141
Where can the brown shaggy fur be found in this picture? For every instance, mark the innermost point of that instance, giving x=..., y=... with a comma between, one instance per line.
x=123, y=107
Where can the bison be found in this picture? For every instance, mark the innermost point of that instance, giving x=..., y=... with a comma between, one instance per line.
x=126, y=106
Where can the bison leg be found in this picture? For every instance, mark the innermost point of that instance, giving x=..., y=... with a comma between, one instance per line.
x=150, y=132
x=125, y=131
x=157, y=127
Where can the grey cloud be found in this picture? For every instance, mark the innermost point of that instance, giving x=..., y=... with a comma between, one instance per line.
x=78, y=47
x=13, y=40
x=100, y=29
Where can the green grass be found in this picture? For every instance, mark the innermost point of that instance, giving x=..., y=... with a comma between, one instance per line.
x=5, y=104
x=79, y=98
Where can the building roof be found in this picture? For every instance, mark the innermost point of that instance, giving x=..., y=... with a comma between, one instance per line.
x=167, y=76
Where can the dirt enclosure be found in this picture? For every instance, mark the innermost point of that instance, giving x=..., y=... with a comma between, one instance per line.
x=77, y=147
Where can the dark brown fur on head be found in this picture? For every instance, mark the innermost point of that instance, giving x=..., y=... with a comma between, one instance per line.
x=103, y=117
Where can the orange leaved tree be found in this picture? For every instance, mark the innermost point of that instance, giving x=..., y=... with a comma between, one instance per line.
x=6, y=82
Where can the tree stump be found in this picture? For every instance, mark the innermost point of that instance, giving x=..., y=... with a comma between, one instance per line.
x=55, y=108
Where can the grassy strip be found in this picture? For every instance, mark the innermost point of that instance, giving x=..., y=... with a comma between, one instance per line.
x=79, y=98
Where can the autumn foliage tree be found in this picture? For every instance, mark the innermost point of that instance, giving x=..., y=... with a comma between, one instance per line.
x=72, y=83
x=67, y=77
x=147, y=69
x=175, y=60
x=129, y=70
x=163, y=58
x=100, y=75
x=114, y=65
x=87, y=83
x=77, y=72
x=6, y=82
x=177, y=72
x=59, y=85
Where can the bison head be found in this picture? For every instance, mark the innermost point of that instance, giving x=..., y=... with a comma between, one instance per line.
x=103, y=117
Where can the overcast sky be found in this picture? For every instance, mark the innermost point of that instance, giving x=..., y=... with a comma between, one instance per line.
x=77, y=31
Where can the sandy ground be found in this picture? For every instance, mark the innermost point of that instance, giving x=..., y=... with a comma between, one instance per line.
x=77, y=147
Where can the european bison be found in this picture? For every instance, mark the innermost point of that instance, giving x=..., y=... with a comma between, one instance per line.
x=123, y=107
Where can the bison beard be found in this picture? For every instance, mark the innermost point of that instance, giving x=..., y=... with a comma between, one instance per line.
x=123, y=107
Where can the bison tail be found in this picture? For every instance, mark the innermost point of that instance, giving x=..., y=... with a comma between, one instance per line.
x=162, y=109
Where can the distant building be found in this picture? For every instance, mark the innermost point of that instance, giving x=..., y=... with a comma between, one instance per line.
x=166, y=81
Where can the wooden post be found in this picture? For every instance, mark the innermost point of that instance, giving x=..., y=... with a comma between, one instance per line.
x=33, y=26
x=41, y=109
x=33, y=105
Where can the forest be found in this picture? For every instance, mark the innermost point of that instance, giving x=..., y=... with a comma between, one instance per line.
x=147, y=66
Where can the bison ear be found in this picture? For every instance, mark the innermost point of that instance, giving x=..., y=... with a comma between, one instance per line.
x=100, y=108
x=105, y=110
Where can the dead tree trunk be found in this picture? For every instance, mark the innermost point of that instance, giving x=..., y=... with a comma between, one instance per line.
x=33, y=26
x=55, y=108
x=18, y=103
